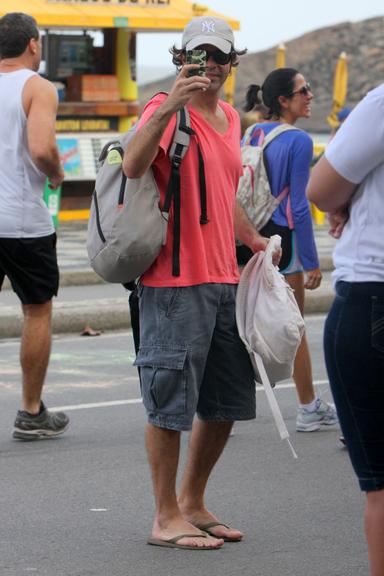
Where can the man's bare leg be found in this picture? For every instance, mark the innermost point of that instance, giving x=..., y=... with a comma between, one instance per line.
x=163, y=447
x=205, y=447
x=35, y=350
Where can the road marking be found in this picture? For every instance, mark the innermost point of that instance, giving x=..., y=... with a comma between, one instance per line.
x=110, y=403
x=69, y=338
x=96, y=405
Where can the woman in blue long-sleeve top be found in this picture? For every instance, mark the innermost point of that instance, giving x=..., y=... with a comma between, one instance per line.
x=287, y=97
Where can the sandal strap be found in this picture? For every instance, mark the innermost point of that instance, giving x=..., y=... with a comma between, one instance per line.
x=209, y=525
x=175, y=539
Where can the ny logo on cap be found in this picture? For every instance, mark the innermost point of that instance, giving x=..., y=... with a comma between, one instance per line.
x=208, y=26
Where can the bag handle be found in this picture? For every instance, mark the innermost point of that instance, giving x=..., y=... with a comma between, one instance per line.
x=109, y=146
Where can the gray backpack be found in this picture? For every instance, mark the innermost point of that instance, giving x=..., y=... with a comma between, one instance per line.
x=127, y=227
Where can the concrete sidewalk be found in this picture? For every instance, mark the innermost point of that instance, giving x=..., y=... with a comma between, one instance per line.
x=104, y=306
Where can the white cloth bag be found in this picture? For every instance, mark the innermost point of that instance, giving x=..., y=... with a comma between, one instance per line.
x=269, y=324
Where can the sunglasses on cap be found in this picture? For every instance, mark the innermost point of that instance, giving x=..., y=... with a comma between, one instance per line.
x=304, y=90
x=218, y=56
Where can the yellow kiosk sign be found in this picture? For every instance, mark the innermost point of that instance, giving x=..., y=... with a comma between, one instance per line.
x=84, y=126
x=133, y=15
x=118, y=2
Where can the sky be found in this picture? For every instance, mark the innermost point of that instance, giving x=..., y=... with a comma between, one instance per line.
x=264, y=24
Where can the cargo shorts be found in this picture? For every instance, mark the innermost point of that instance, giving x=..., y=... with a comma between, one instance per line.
x=191, y=358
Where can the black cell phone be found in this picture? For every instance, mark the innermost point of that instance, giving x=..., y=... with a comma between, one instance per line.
x=197, y=57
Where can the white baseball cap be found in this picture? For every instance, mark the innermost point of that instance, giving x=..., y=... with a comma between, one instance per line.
x=208, y=30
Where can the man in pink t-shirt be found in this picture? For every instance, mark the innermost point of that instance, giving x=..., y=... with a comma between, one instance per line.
x=191, y=359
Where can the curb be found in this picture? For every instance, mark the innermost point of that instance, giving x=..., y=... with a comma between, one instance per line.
x=103, y=314
x=71, y=277
x=326, y=263
x=87, y=277
x=79, y=277
x=319, y=303
x=113, y=314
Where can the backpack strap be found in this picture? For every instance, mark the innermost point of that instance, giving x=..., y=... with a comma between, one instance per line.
x=186, y=127
x=181, y=137
x=177, y=151
x=203, y=190
x=289, y=214
x=251, y=133
x=276, y=132
x=267, y=140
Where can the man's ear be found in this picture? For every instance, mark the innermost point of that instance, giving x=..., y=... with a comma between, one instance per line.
x=32, y=45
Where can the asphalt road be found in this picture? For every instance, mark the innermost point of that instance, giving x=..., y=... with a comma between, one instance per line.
x=81, y=505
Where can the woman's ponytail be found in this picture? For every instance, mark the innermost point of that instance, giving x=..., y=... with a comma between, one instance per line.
x=252, y=98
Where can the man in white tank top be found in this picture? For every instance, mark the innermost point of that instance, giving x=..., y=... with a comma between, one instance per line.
x=29, y=156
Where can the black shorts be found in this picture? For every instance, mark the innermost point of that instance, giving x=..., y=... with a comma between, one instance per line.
x=31, y=266
x=244, y=253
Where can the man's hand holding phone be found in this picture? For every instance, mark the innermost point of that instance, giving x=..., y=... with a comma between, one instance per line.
x=190, y=80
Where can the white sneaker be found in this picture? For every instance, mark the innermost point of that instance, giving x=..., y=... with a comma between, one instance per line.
x=324, y=415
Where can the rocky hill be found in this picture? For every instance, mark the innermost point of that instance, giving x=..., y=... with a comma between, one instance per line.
x=315, y=55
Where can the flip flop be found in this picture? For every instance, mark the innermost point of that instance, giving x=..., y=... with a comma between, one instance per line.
x=173, y=542
x=207, y=528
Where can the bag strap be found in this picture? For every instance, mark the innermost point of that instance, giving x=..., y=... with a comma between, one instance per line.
x=276, y=132
x=251, y=133
x=177, y=151
x=285, y=192
x=264, y=140
x=275, y=409
x=203, y=190
x=181, y=137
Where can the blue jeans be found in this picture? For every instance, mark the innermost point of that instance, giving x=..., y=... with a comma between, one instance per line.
x=354, y=355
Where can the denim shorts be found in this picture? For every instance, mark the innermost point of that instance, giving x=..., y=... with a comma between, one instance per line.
x=191, y=358
x=354, y=354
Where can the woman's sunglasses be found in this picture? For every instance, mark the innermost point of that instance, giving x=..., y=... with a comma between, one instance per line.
x=219, y=57
x=304, y=90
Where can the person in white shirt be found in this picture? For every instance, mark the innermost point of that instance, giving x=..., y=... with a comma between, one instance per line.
x=348, y=182
x=29, y=156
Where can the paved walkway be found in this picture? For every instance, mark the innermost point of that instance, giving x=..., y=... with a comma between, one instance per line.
x=72, y=252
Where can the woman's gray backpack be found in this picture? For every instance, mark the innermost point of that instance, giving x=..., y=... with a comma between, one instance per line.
x=127, y=227
x=254, y=190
